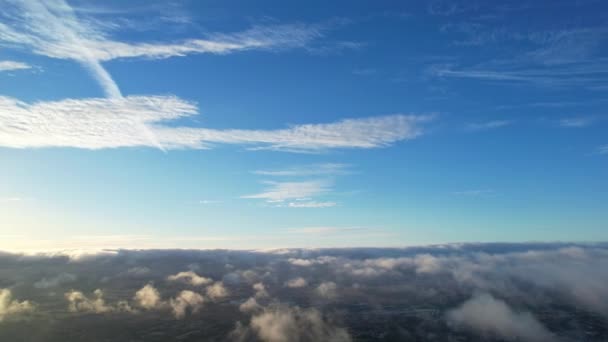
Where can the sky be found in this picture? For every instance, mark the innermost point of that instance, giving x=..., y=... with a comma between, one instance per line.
x=234, y=124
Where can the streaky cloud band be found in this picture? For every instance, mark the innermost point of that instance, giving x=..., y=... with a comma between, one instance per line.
x=100, y=123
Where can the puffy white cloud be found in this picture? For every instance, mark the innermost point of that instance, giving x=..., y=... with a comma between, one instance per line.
x=260, y=290
x=296, y=282
x=148, y=298
x=327, y=289
x=190, y=277
x=184, y=301
x=217, y=291
x=133, y=121
x=79, y=302
x=13, y=65
x=315, y=261
x=489, y=316
x=250, y=305
x=10, y=307
x=285, y=324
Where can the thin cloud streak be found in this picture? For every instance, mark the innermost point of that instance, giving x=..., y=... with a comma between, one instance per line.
x=13, y=65
x=482, y=126
x=281, y=191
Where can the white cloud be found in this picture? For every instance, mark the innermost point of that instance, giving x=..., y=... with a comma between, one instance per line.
x=281, y=191
x=148, y=298
x=190, y=277
x=489, y=316
x=284, y=324
x=79, y=302
x=296, y=282
x=307, y=170
x=9, y=306
x=326, y=230
x=260, y=290
x=98, y=123
x=250, y=305
x=184, y=301
x=576, y=122
x=10, y=199
x=603, y=149
x=51, y=28
x=327, y=289
x=217, y=291
x=12, y=65
x=482, y=126
x=311, y=204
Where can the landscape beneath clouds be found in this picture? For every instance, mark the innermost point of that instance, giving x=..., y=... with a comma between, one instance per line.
x=453, y=292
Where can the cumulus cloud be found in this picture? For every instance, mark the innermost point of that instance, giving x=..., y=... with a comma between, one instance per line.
x=148, y=297
x=489, y=316
x=217, y=291
x=139, y=121
x=327, y=289
x=291, y=324
x=79, y=302
x=501, y=291
x=55, y=281
x=10, y=306
x=13, y=65
x=250, y=305
x=190, y=278
x=260, y=290
x=310, y=262
x=296, y=282
x=186, y=300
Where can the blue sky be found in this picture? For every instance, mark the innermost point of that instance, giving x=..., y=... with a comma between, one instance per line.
x=237, y=124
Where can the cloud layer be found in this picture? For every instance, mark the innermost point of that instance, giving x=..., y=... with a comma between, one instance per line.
x=466, y=292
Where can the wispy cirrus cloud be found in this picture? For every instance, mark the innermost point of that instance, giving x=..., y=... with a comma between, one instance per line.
x=307, y=170
x=13, y=65
x=482, y=126
x=282, y=191
x=475, y=192
x=326, y=230
x=576, y=122
x=99, y=123
x=311, y=204
x=567, y=57
x=52, y=29
x=603, y=149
